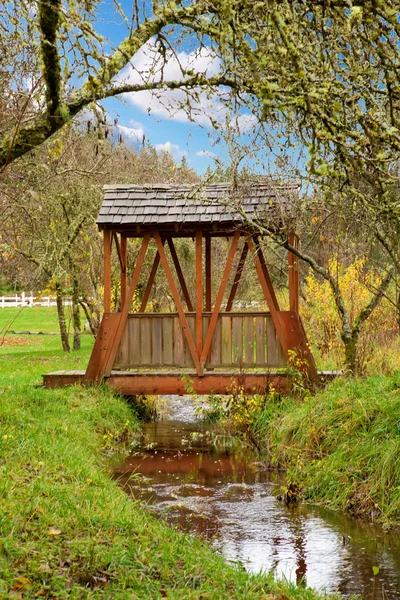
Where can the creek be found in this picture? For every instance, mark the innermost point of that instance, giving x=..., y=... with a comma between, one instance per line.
x=185, y=474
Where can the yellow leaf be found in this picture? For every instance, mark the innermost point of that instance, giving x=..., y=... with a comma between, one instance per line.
x=53, y=531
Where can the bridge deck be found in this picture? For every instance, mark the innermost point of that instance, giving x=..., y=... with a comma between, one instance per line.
x=183, y=382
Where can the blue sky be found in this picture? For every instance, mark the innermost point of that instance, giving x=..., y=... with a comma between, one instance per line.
x=166, y=125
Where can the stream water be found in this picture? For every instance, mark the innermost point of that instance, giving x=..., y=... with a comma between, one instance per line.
x=227, y=498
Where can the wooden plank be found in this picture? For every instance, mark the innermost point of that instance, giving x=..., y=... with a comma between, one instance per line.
x=181, y=278
x=208, y=274
x=188, y=360
x=297, y=340
x=178, y=304
x=237, y=277
x=168, y=340
x=220, y=297
x=156, y=341
x=150, y=281
x=134, y=341
x=179, y=343
x=260, y=339
x=125, y=310
x=293, y=269
x=122, y=358
x=145, y=342
x=215, y=352
x=107, y=270
x=237, y=340
x=226, y=340
x=248, y=341
x=124, y=272
x=102, y=347
x=272, y=356
x=199, y=292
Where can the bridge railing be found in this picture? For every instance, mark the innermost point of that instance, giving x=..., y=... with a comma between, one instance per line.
x=245, y=339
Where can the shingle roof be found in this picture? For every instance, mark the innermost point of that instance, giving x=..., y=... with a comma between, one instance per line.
x=169, y=204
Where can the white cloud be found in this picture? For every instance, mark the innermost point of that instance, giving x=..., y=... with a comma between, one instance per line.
x=205, y=153
x=133, y=134
x=173, y=149
x=243, y=123
x=148, y=65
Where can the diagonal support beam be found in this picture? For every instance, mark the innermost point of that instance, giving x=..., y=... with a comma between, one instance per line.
x=124, y=271
x=269, y=293
x=180, y=274
x=178, y=303
x=220, y=297
x=128, y=301
x=150, y=282
x=237, y=278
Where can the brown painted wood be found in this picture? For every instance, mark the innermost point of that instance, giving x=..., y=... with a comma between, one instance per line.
x=269, y=294
x=179, y=272
x=237, y=277
x=199, y=292
x=134, y=385
x=124, y=271
x=178, y=304
x=297, y=339
x=293, y=266
x=150, y=282
x=102, y=348
x=125, y=310
x=208, y=275
x=107, y=271
x=118, y=247
x=220, y=297
x=260, y=255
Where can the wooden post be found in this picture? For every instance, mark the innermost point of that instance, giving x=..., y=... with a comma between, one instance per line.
x=124, y=271
x=107, y=270
x=208, y=274
x=293, y=266
x=199, y=292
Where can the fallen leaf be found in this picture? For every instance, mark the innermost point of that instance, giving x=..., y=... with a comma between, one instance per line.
x=53, y=531
x=23, y=581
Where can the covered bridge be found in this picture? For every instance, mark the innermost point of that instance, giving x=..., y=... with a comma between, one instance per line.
x=204, y=345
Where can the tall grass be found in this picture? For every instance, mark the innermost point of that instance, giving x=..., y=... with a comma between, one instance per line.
x=342, y=445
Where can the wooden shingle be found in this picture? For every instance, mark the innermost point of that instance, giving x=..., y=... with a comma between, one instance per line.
x=164, y=205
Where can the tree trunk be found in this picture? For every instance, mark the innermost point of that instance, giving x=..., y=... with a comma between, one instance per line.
x=61, y=318
x=350, y=341
x=76, y=318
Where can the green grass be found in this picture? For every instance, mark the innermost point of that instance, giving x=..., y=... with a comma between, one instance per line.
x=66, y=529
x=342, y=445
x=35, y=318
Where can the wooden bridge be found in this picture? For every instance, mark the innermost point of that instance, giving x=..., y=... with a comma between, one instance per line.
x=205, y=345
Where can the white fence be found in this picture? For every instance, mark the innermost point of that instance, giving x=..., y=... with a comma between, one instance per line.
x=24, y=300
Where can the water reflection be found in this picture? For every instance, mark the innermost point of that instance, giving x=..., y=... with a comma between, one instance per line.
x=227, y=498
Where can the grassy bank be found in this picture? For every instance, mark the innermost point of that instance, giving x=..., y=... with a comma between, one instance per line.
x=66, y=529
x=341, y=446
